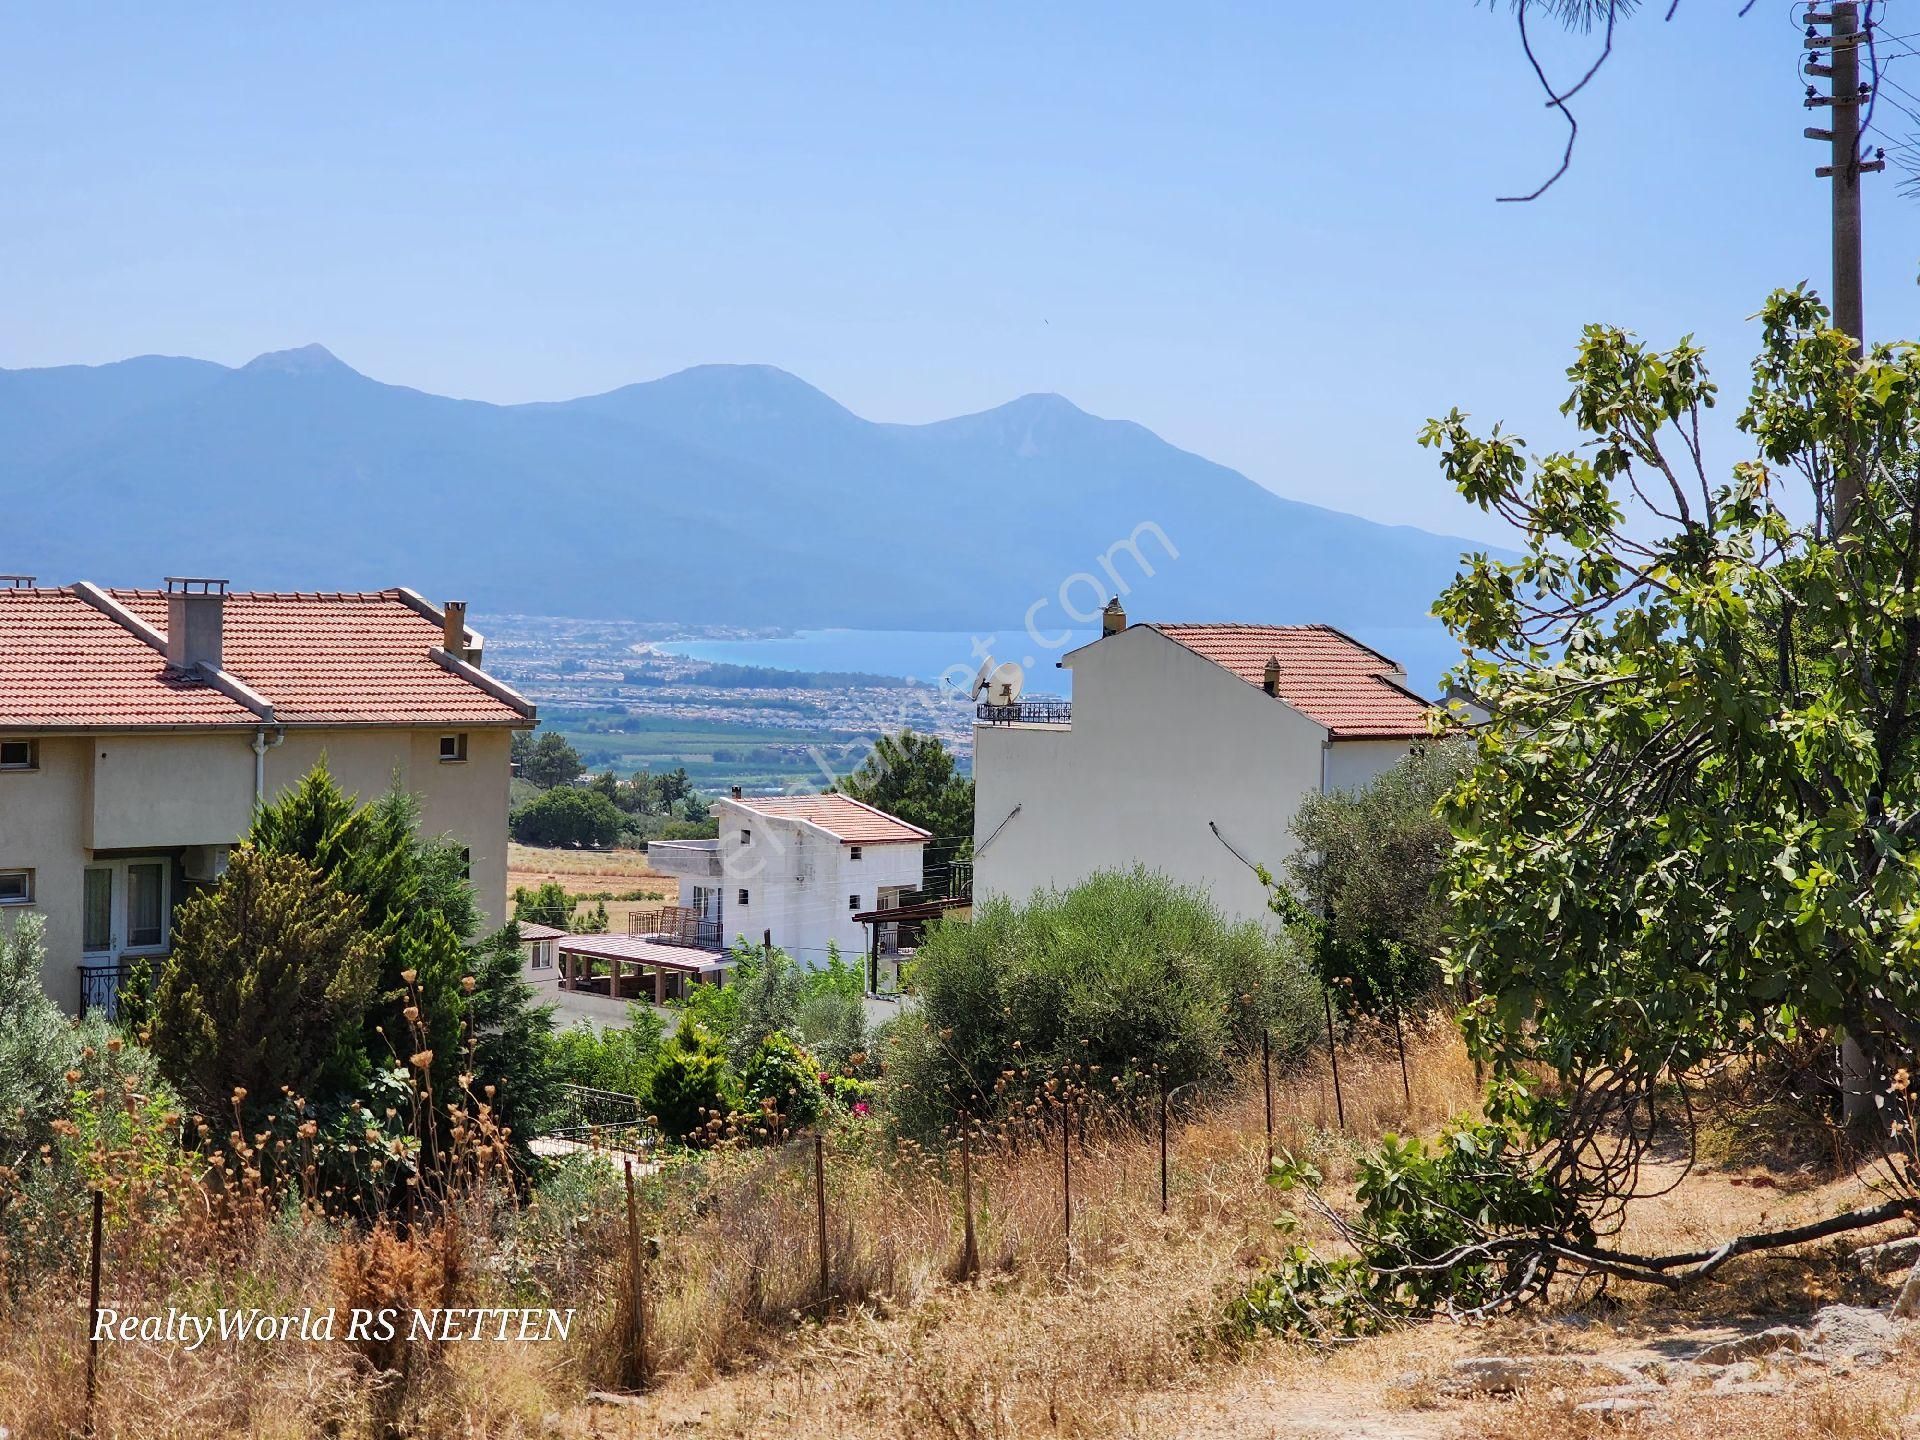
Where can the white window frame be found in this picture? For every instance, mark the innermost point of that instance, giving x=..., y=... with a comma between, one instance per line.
x=119, y=896
x=853, y=852
x=744, y=898
x=542, y=957
x=853, y=902
x=25, y=876
x=33, y=753
x=459, y=755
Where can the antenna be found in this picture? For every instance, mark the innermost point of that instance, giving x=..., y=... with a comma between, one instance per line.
x=980, y=679
x=1006, y=683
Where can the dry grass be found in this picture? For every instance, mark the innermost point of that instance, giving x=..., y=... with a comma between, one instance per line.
x=744, y=1346
x=740, y=1332
x=593, y=872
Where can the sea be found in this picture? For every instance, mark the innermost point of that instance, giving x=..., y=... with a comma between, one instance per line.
x=953, y=657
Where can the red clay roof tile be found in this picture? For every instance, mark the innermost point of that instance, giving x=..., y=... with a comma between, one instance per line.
x=318, y=659
x=1329, y=677
x=842, y=816
x=65, y=664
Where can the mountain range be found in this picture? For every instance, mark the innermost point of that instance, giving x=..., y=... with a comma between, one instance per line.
x=722, y=495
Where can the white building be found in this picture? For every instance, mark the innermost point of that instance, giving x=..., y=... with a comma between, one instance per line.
x=1187, y=750
x=796, y=869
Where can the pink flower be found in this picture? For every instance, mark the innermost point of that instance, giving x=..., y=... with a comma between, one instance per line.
x=825, y=1079
x=859, y=1107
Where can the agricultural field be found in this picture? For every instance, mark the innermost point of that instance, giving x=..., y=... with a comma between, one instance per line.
x=621, y=879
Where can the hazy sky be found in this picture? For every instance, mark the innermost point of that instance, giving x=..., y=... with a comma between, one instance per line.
x=1265, y=230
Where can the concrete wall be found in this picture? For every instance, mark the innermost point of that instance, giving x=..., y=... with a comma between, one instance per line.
x=464, y=800
x=1352, y=764
x=1163, y=746
x=44, y=816
x=157, y=791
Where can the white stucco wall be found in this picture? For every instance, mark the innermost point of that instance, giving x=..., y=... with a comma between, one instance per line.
x=1163, y=746
x=1352, y=764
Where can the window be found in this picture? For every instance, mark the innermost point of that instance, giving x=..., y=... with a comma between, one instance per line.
x=542, y=955
x=96, y=909
x=746, y=837
x=146, y=904
x=16, y=887
x=855, y=855
x=743, y=897
x=19, y=755
x=453, y=748
x=853, y=902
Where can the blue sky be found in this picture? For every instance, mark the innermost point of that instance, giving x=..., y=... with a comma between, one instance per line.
x=1266, y=231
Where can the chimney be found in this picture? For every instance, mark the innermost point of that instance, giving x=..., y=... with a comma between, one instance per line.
x=1271, y=682
x=735, y=792
x=454, y=638
x=196, y=612
x=1113, y=619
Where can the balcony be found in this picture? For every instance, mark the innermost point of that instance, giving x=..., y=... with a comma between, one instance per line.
x=1027, y=712
x=696, y=859
x=119, y=989
x=675, y=925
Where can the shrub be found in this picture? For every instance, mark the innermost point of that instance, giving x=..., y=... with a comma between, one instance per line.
x=619, y=1060
x=1427, y=1214
x=36, y=1042
x=270, y=972
x=692, y=1092
x=547, y=904
x=1128, y=975
x=781, y=1082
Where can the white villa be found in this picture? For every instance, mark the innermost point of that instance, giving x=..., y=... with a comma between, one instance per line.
x=800, y=870
x=1187, y=749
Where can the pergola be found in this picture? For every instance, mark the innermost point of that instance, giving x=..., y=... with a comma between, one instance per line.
x=636, y=967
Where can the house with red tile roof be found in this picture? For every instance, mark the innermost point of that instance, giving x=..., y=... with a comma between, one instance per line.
x=139, y=728
x=803, y=870
x=1187, y=749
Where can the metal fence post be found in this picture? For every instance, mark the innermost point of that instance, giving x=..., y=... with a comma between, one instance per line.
x=1266, y=1087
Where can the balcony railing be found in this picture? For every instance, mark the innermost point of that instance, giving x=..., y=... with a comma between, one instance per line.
x=1027, y=712
x=603, y=1119
x=116, y=986
x=677, y=926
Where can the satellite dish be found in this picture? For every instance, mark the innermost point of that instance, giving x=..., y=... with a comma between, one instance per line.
x=1005, y=684
x=980, y=679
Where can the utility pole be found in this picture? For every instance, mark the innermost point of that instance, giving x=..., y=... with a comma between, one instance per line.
x=1846, y=92
x=1844, y=95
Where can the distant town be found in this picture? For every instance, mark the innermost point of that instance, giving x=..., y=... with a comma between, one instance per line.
x=627, y=705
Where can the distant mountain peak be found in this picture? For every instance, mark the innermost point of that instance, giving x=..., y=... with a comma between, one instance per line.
x=1043, y=402
x=301, y=360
